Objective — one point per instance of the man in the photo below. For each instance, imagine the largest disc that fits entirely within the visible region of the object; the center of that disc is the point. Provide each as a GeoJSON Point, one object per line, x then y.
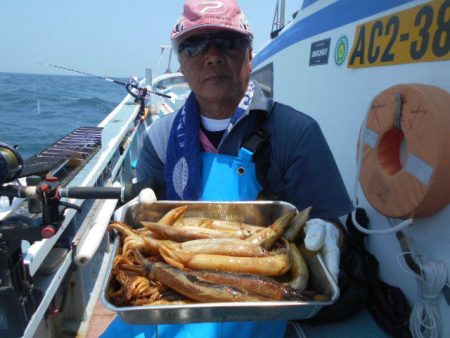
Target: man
{"type": "Point", "coordinates": [208, 149]}
{"type": "Point", "coordinates": [215, 55]}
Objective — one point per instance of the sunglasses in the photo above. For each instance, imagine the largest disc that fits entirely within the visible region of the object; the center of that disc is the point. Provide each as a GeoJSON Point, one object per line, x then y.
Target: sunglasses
{"type": "Point", "coordinates": [199, 45]}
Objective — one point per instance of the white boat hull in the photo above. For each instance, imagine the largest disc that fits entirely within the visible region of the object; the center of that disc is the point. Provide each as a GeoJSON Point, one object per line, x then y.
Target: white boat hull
{"type": "Point", "coordinates": [339, 97]}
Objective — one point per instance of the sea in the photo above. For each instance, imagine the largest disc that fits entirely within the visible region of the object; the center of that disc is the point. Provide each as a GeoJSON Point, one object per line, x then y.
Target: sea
{"type": "Point", "coordinates": [37, 110]}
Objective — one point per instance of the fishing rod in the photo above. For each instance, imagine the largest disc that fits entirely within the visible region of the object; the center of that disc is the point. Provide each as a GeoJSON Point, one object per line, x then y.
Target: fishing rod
{"type": "Point", "coordinates": [99, 77]}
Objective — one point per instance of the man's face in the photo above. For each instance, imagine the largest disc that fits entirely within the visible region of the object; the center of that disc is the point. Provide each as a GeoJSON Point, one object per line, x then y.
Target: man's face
{"type": "Point", "coordinates": [216, 73]}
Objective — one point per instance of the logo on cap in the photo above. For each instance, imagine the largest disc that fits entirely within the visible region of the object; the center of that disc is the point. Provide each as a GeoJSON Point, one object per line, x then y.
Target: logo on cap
{"type": "Point", "coordinates": [179, 25]}
{"type": "Point", "coordinates": [244, 23]}
{"type": "Point", "coordinates": [211, 7]}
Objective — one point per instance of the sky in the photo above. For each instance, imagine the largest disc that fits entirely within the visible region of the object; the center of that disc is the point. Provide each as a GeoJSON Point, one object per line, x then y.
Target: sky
{"type": "Point", "coordinates": [112, 38]}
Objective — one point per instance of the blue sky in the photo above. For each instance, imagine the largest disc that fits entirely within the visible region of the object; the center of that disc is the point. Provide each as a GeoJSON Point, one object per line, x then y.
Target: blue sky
{"type": "Point", "coordinates": [103, 37]}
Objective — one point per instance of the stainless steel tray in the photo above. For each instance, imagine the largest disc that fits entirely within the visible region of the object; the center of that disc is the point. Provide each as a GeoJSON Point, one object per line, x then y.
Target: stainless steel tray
{"type": "Point", "coordinates": [260, 213]}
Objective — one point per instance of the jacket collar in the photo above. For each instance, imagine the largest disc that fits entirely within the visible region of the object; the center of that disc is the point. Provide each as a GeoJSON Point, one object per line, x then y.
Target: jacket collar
{"type": "Point", "coordinates": [260, 100]}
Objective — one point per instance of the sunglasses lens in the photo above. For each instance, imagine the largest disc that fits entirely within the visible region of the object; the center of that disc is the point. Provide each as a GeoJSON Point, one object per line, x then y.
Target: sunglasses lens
{"type": "Point", "coordinates": [194, 48]}
{"type": "Point", "coordinates": [224, 43]}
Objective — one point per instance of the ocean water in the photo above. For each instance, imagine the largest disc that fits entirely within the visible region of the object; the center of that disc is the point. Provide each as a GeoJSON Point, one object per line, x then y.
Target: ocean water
{"type": "Point", "coordinates": [37, 110]}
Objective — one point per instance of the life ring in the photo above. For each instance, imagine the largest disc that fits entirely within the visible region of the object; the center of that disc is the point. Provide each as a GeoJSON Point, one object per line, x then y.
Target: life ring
{"type": "Point", "coordinates": [405, 168]}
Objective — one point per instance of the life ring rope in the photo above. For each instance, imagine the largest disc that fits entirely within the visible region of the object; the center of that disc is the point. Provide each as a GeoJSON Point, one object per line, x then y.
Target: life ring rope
{"type": "Point", "coordinates": [369, 137]}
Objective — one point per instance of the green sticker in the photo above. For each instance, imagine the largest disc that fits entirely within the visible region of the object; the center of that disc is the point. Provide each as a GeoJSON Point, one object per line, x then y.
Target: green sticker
{"type": "Point", "coordinates": [341, 50]}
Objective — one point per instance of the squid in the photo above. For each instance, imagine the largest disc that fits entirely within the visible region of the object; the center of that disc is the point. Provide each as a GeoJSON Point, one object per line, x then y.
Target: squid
{"type": "Point", "coordinates": [194, 288]}
{"type": "Point", "coordinates": [133, 286]}
{"type": "Point", "coordinates": [211, 223]}
{"type": "Point", "coordinates": [226, 246]}
{"type": "Point", "coordinates": [200, 259]}
{"type": "Point", "coordinates": [260, 285]}
{"type": "Point", "coordinates": [173, 215]}
{"type": "Point", "coordinates": [273, 265]}
{"type": "Point", "coordinates": [186, 233]}
{"type": "Point", "coordinates": [142, 242]}
{"type": "Point", "coordinates": [219, 246]}
{"type": "Point", "coordinates": [267, 237]}
{"type": "Point", "coordinates": [297, 224]}
{"type": "Point", "coordinates": [299, 269]}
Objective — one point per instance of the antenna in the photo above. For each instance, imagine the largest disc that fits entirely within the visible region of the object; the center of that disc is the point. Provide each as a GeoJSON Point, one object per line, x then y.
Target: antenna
{"type": "Point", "coordinates": [170, 60]}
{"type": "Point", "coordinates": [159, 61]}
{"type": "Point", "coordinates": [163, 47]}
{"type": "Point", "coordinates": [278, 18]}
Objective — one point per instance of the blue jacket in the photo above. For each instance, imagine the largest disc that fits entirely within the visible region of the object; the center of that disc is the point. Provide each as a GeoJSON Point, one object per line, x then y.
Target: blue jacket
{"type": "Point", "coordinates": [301, 169]}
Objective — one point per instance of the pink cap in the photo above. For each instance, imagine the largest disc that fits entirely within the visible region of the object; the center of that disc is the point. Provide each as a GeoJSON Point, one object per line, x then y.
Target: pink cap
{"type": "Point", "coordinates": [211, 14]}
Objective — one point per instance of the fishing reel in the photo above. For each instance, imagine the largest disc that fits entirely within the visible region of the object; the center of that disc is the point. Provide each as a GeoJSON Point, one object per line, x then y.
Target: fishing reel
{"type": "Point", "coordinates": [11, 163]}
{"type": "Point", "coordinates": [133, 81]}
{"type": "Point", "coordinates": [45, 196]}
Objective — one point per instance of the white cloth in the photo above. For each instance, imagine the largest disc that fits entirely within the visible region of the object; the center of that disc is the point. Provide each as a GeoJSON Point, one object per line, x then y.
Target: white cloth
{"type": "Point", "coordinates": [323, 236]}
{"type": "Point", "coordinates": [146, 196]}
{"type": "Point", "coordinates": [214, 124]}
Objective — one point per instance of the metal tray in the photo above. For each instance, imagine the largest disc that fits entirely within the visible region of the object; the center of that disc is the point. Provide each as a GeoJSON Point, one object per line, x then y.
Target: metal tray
{"type": "Point", "coordinates": [261, 213]}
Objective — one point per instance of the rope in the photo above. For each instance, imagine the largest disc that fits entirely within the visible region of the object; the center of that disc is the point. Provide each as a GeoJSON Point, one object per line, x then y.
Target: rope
{"type": "Point", "coordinates": [425, 321]}
{"type": "Point", "coordinates": [396, 228]}
{"type": "Point", "coordinates": [390, 230]}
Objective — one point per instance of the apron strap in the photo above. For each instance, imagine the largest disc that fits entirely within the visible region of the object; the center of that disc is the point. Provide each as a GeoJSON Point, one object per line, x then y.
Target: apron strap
{"type": "Point", "coordinates": [258, 145]}
{"type": "Point", "coordinates": [259, 135]}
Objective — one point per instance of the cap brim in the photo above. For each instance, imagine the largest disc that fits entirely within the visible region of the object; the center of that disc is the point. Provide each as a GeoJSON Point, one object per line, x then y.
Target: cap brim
{"type": "Point", "coordinates": [192, 30]}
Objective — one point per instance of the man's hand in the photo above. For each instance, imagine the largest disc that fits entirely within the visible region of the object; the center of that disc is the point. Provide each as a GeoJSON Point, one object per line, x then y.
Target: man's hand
{"type": "Point", "coordinates": [323, 236]}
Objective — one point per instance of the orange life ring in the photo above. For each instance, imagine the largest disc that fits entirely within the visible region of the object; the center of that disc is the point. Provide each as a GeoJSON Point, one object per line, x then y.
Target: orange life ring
{"type": "Point", "coordinates": [405, 170]}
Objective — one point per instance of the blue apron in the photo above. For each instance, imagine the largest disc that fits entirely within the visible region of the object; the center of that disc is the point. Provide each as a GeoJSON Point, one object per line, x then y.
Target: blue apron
{"type": "Point", "coordinates": [229, 178]}
{"type": "Point", "coordinates": [224, 178]}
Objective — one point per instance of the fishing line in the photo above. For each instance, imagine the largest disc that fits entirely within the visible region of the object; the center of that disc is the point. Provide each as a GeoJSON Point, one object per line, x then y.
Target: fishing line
{"type": "Point", "coordinates": [38, 107]}
{"type": "Point", "coordinates": [80, 72]}
{"type": "Point", "coordinates": [98, 77]}
{"type": "Point", "coordinates": [38, 102]}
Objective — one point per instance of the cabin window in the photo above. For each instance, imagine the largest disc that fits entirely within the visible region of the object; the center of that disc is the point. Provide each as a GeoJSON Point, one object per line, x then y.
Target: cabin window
{"type": "Point", "coordinates": [264, 77]}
